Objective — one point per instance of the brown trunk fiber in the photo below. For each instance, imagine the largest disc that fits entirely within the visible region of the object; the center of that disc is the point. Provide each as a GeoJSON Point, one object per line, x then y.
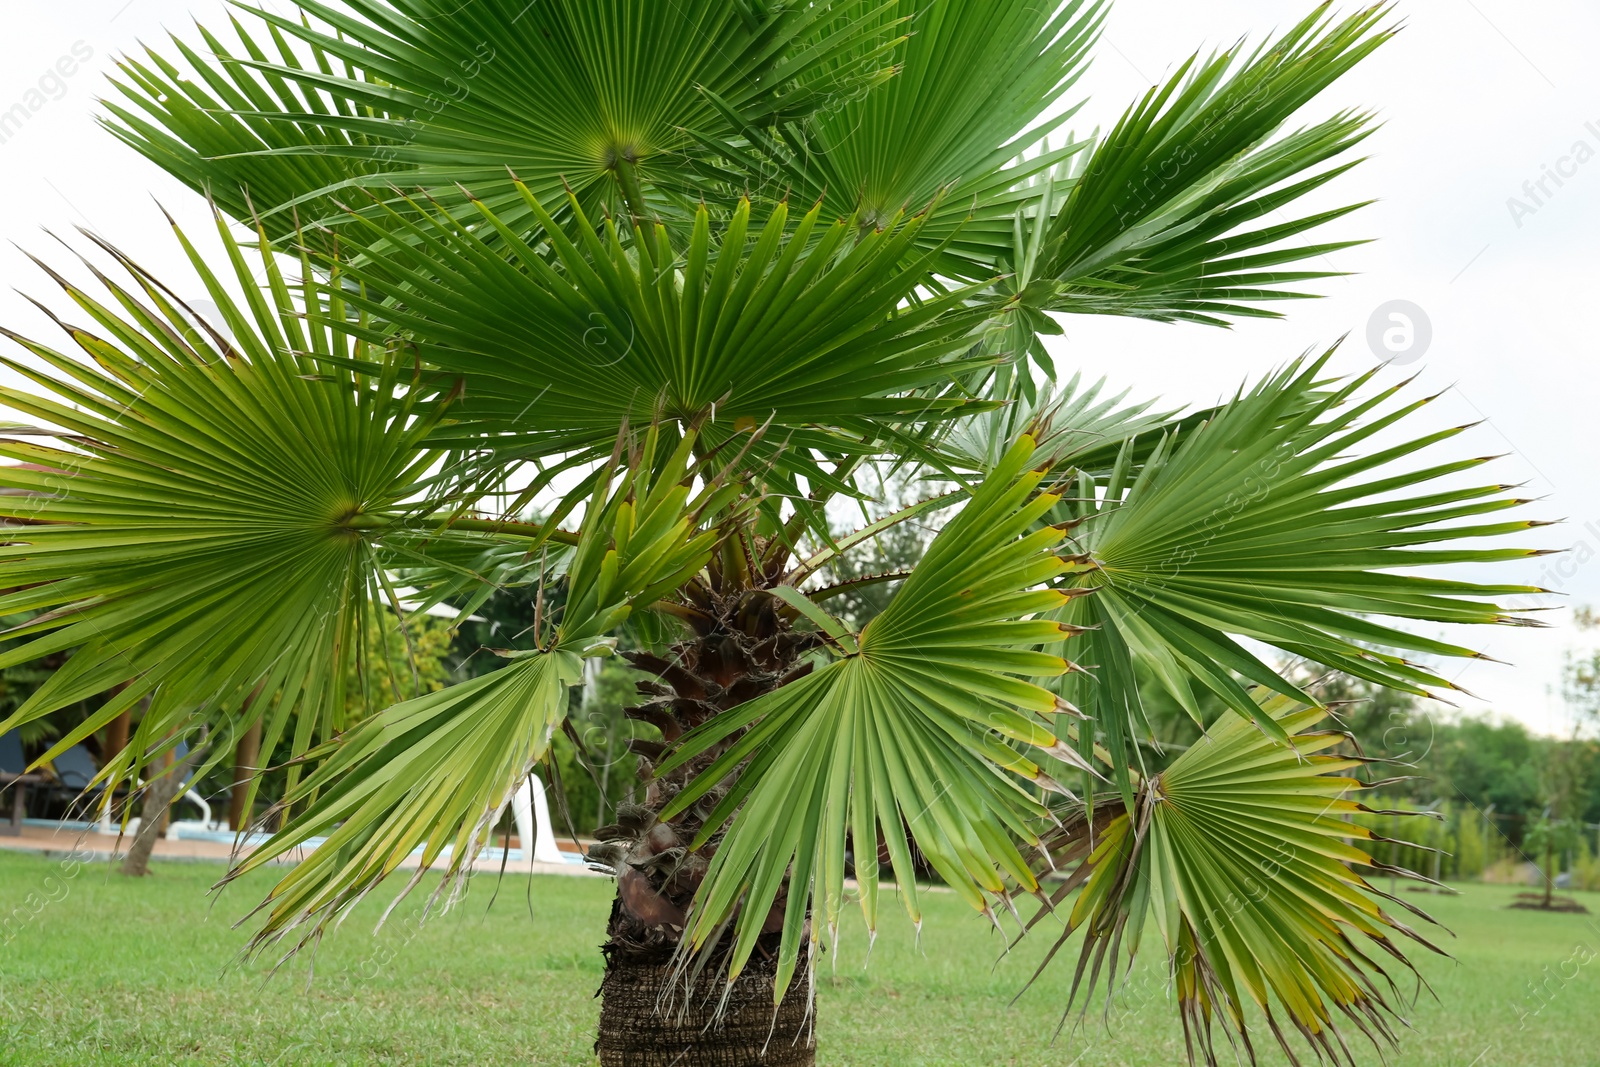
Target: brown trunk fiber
{"type": "Point", "coordinates": [742, 646]}
{"type": "Point", "coordinates": [635, 1032]}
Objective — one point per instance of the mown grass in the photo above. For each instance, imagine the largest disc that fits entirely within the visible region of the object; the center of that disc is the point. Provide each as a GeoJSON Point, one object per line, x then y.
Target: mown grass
{"type": "Point", "coordinates": [97, 969]}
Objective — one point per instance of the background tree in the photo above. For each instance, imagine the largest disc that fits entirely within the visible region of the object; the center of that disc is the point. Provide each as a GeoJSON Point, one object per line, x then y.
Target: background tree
{"type": "Point", "coordinates": [157, 795]}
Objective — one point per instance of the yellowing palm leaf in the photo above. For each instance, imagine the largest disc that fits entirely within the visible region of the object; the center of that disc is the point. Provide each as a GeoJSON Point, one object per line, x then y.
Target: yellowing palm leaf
{"type": "Point", "coordinates": [1241, 854]}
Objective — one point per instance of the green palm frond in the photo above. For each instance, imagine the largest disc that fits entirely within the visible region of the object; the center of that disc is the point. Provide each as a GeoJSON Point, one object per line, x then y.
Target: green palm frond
{"type": "Point", "coordinates": [1263, 523]}
{"type": "Point", "coordinates": [212, 131]}
{"type": "Point", "coordinates": [1158, 219]}
{"type": "Point", "coordinates": [204, 523]}
{"type": "Point", "coordinates": [911, 729]}
{"type": "Point", "coordinates": [435, 773]}
{"type": "Point", "coordinates": [432, 774]}
{"type": "Point", "coordinates": [924, 136]}
{"type": "Point", "coordinates": [1075, 425]}
{"type": "Point", "coordinates": [560, 342]}
{"type": "Point", "coordinates": [592, 96]}
{"type": "Point", "coordinates": [465, 572]}
{"type": "Point", "coordinates": [1241, 854]}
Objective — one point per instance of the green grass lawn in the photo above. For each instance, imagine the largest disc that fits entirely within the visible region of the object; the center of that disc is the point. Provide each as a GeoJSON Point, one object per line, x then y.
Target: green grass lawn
{"type": "Point", "coordinates": [96, 969]}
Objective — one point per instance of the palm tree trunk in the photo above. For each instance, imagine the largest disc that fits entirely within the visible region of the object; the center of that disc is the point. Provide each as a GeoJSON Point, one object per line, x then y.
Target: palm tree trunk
{"type": "Point", "coordinates": [742, 647]}
{"type": "Point", "coordinates": [158, 797]}
{"type": "Point", "coordinates": [116, 736]}
{"type": "Point", "coordinates": [638, 1030]}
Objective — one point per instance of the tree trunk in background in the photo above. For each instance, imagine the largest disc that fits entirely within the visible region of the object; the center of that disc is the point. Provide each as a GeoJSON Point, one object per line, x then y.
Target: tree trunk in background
{"type": "Point", "coordinates": [116, 739]}
{"type": "Point", "coordinates": [166, 809]}
{"type": "Point", "coordinates": [633, 1033]}
{"type": "Point", "coordinates": [116, 736]}
{"type": "Point", "coordinates": [245, 757]}
{"type": "Point", "coordinates": [158, 797]}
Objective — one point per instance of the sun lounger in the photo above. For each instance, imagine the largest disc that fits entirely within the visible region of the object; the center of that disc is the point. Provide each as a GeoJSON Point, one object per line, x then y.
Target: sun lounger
{"type": "Point", "coordinates": [14, 776]}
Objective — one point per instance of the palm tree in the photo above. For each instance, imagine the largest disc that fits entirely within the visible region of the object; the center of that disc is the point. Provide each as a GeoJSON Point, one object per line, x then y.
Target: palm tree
{"type": "Point", "coordinates": [682, 275]}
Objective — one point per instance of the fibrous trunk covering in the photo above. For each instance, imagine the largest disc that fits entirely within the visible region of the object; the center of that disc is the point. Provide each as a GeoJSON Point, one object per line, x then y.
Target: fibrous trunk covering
{"type": "Point", "coordinates": [742, 647]}
{"type": "Point", "coordinates": [639, 1029]}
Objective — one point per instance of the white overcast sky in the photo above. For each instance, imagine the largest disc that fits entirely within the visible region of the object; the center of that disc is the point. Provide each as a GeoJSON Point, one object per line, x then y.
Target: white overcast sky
{"type": "Point", "coordinates": [1478, 97]}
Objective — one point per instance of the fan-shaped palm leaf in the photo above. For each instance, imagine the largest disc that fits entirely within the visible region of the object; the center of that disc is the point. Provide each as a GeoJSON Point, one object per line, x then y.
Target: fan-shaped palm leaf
{"type": "Point", "coordinates": [1242, 854]}
{"type": "Point", "coordinates": [923, 136]}
{"type": "Point", "coordinates": [1155, 220]}
{"type": "Point", "coordinates": [211, 131]}
{"type": "Point", "coordinates": [206, 524]}
{"type": "Point", "coordinates": [596, 96]}
{"type": "Point", "coordinates": [912, 725]}
{"type": "Point", "coordinates": [1074, 425]}
{"type": "Point", "coordinates": [560, 342]}
{"type": "Point", "coordinates": [1261, 523]}
{"type": "Point", "coordinates": [435, 773]}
